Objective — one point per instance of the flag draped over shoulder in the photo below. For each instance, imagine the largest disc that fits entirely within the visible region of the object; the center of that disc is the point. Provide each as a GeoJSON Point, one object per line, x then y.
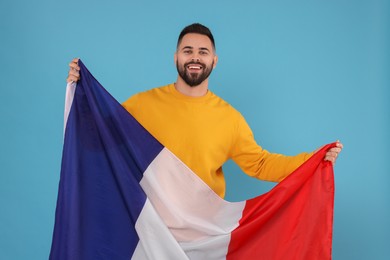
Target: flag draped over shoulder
{"type": "Point", "coordinates": [122, 195]}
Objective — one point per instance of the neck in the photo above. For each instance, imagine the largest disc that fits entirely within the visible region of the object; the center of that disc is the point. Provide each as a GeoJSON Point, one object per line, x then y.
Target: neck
{"type": "Point", "coordinates": [196, 91]}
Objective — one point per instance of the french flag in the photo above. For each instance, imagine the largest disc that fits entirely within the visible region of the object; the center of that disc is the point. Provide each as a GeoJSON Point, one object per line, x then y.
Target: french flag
{"type": "Point", "coordinates": [123, 195]}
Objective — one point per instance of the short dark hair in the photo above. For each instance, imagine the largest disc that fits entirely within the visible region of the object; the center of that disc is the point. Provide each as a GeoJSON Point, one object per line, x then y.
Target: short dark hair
{"type": "Point", "coordinates": [196, 28]}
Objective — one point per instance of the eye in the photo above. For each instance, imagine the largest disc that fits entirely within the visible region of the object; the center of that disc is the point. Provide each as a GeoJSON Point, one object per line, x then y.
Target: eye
{"type": "Point", "coordinates": [187, 51]}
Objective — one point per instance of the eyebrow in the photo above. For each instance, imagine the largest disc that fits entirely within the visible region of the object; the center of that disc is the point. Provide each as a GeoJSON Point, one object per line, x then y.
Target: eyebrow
{"type": "Point", "coordinates": [201, 48]}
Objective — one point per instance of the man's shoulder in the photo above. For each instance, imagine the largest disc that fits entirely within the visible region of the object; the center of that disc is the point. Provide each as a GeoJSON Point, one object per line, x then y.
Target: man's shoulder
{"type": "Point", "coordinates": [150, 93]}
{"type": "Point", "coordinates": [223, 103]}
{"type": "Point", "coordinates": [162, 90]}
{"type": "Point", "coordinates": [146, 96]}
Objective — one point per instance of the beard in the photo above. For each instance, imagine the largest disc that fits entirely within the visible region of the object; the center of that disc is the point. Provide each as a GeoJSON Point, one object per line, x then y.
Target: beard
{"type": "Point", "coordinates": [194, 79]}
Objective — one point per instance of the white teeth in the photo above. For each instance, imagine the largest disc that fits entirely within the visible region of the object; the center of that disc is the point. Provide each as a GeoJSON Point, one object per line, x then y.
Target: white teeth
{"type": "Point", "coordinates": [194, 67]}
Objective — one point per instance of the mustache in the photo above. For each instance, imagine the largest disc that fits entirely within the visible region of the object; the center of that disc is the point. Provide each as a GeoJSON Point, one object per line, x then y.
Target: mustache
{"type": "Point", "coordinates": [197, 62]}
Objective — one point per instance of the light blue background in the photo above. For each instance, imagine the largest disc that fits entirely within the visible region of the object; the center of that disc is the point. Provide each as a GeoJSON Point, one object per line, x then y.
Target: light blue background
{"type": "Point", "coordinates": [303, 73]}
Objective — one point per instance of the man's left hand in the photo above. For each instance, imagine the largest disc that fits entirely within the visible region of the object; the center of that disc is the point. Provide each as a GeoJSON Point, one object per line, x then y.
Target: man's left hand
{"type": "Point", "coordinates": [333, 153]}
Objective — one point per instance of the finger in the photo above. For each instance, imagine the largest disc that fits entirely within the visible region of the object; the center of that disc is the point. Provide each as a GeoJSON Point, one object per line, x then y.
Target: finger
{"type": "Point", "coordinates": [72, 78]}
{"type": "Point", "coordinates": [335, 150]}
{"type": "Point", "coordinates": [339, 144]}
{"type": "Point", "coordinates": [331, 155]}
{"type": "Point", "coordinates": [73, 75]}
{"type": "Point", "coordinates": [74, 66]}
{"type": "Point", "coordinates": [330, 158]}
{"type": "Point", "coordinates": [335, 153]}
{"type": "Point", "coordinates": [74, 72]}
{"type": "Point", "coordinates": [74, 61]}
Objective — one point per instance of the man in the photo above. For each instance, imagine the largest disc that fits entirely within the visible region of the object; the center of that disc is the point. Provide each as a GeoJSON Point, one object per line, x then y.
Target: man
{"type": "Point", "coordinates": [199, 127]}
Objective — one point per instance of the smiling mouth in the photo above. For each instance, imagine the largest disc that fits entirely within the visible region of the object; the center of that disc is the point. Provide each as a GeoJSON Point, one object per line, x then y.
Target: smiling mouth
{"type": "Point", "coordinates": [194, 67]}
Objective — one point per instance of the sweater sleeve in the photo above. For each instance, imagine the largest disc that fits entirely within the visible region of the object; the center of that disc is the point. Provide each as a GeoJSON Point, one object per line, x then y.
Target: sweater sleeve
{"type": "Point", "coordinates": [259, 163]}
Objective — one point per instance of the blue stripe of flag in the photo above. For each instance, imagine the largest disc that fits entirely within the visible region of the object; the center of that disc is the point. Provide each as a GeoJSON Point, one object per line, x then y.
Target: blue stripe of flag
{"type": "Point", "coordinates": [105, 154]}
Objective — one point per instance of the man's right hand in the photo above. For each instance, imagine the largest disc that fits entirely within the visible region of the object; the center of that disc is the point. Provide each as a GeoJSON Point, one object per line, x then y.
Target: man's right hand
{"type": "Point", "coordinates": [74, 69]}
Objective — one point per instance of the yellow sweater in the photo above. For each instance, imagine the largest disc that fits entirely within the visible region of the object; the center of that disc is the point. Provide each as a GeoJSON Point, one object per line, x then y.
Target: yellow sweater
{"type": "Point", "coordinates": [204, 132]}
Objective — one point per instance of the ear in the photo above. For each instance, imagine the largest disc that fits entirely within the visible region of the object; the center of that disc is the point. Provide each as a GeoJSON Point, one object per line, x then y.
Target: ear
{"type": "Point", "coordinates": [215, 61]}
{"type": "Point", "coordinates": [175, 58]}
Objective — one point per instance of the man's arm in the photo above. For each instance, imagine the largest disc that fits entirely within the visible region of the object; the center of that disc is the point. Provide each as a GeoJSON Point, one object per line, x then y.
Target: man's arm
{"type": "Point", "coordinates": [259, 163]}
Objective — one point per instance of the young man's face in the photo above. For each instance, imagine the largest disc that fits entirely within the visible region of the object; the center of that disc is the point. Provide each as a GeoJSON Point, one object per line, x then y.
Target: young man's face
{"type": "Point", "coordinates": [195, 58]}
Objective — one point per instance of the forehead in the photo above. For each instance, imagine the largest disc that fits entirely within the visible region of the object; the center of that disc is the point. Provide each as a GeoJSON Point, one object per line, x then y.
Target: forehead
{"type": "Point", "coordinates": [196, 40]}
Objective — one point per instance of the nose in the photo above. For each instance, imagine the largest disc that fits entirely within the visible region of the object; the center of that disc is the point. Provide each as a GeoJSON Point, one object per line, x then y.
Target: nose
{"type": "Point", "coordinates": [195, 59]}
